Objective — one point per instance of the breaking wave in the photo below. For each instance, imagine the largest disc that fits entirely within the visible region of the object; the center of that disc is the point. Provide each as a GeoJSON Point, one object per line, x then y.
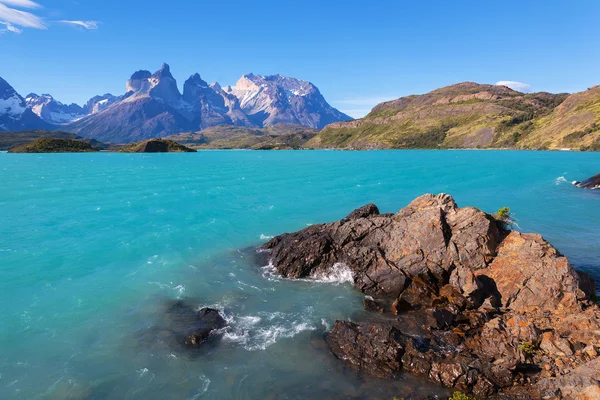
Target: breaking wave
{"type": "Point", "coordinates": [257, 332]}
{"type": "Point", "coordinates": [560, 180]}
{"type": "Point", "coordinates": [339, 273]}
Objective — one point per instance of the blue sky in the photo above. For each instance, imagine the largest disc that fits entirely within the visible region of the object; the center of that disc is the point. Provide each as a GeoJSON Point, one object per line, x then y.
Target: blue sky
{"type": "Point", "coordinates": [357, 52]}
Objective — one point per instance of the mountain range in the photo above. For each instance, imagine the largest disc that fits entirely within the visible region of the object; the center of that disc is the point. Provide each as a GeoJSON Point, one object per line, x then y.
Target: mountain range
{"type": "Point", "coordinates": [280, 112]}
{"type": "Point", "coordinates": [153, 106]}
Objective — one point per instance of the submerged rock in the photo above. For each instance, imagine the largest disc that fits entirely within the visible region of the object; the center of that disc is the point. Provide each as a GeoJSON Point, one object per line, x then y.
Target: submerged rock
{"type": "Point", "coordinates": [190, 327]}
{"type": "Point", "coordinates": [497, 310]}
{"type": "Point", "coordinates": [590, 183]}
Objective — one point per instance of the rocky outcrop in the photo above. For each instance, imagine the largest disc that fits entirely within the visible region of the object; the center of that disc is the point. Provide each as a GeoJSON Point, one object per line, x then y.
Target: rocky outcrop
{"type": "Point", "coordinates": [157, 146]}
{"type": "Point", "coordinates": [189, 327]}
{"type": "Point", "coordinates": [590, 183]}
{"type": "Point", "coordinates": [457, 299]}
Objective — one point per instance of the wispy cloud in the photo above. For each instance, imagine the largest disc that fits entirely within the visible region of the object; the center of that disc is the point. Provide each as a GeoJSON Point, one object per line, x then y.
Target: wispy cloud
{"type": "Point", "coordinates": [518, 86]}
{"type": "Point", "coordinates": [21, 3]}
{"type": "Point", "coordinates": [12, 17]}
{"type": "Point", "coordinates": [9, 28]}
{"type": "Point", "coordinates": [14, 20]}
{"type": "Point", "coordinates": [85, 24]}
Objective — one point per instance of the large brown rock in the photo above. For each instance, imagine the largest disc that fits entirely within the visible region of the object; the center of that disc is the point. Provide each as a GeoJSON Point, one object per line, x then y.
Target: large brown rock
{"type": "Point", "coordinates": [528, 273]}
{"type": "Point", "coordinates": [427, 240]}
{"type": "Point", "coordinates": [465, 303]}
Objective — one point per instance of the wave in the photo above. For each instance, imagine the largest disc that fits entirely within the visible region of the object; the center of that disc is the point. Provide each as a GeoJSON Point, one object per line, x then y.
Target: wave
{"type": "Point", "coordinates": [266, 237]}
{"type": "Point", "coordinates": [339, 273]}
{"type": "Point", "coordinates": [204, 383]}
{"type": "Point", "coordinates": [257, 332]}
{"type": "Point", "coordinates": [560, 180]}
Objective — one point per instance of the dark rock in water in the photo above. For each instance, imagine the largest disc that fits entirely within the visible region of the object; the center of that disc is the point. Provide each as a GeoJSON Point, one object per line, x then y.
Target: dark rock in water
{"type": "Point", "coordinates": [591, 183]}
{"type": "Point", "coordinates": [190, 327]}
{"type": "Point", "coordinates": [478, 309]}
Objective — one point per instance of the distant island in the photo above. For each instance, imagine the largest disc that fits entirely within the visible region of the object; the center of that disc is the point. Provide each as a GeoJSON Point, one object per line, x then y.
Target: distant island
{"type": "Point", "coordinates": [156, 146]}
{"type": "Point", "coordinates": [51, 145]}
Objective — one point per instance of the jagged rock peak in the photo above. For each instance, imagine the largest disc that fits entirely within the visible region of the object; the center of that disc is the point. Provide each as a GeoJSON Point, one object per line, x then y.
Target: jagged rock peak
{"type": "Point", "coordinates": [141, 74]}
{"type": "Point", "coordinates": [164, 72]}
{"type": "Point", "coordinates": [197, 80]}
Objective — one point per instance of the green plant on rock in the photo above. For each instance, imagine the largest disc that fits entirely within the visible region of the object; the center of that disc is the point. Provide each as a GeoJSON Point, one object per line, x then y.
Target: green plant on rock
{"type": "Point", "coordinates": [528, 349]}
{"type": "Point", "coordinates": [460, 396]}
{"type": "Point", "coordinates": [504, 218]}
{"type": "Point", "coordinates": [503, 213]}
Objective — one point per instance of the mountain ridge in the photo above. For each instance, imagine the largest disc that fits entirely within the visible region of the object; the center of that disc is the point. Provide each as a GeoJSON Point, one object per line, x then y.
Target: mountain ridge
{"type": "Point", "coordinates": [464, 115]}
{"type": "Point", "coordinates": [153, 106]}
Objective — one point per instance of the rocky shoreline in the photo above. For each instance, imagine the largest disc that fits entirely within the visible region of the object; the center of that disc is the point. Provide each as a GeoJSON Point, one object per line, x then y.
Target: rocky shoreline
{"type": "Point", "coordinates": [457, 297]}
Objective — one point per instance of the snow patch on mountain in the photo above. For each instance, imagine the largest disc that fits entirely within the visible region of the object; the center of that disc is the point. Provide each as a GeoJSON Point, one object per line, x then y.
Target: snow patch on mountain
{"type": "Point", "coordinates": [13, 106]}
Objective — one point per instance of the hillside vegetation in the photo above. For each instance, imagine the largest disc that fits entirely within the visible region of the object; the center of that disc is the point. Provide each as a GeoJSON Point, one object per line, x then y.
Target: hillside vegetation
{"type": "Point", "coordinates": [51, 145]}
{"type": "Point", "coordinates": [156, 146]}
{"type": "Point", "coordinates": [275, 137]}
{"type": "Point", "coordinates": [471, 115]}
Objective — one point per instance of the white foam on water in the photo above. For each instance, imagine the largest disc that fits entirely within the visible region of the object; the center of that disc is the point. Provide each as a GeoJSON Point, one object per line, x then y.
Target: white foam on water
{"type": "Point", "coordinates": [257, 332]}
{"type": "Point", "coordinates": [270, 272]}
{"type": "Point", "coordinates": [339, 273]}
{"type": "Point", "coordinates": [560, 180]}
{"type": "Point", "coordinates": [265, 237]}
{"type": "Point", "coordinates": [205, 383]}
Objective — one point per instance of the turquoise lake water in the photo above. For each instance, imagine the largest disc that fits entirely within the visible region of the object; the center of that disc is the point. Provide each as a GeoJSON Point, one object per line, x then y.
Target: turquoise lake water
{"type": "Point", "coordinates": [92, 247]}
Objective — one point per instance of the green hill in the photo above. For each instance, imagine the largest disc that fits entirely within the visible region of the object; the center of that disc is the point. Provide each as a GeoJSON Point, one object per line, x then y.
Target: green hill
{"type": "Point", "coordinates": [51, 145]}
{"type": "Point", "coordinates": [279, 136]}
{"type": "Point", "coordinates": [471, 115]}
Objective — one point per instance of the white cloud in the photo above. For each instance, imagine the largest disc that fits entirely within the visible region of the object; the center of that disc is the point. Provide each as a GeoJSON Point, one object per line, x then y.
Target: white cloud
{"type": "Point", "coordinates": [85, 24]}
{"type": "Point", "coordinates": [518, 86]}
{"type": "Point", "coordinates": [9, 28]}
{"type": "Point", "coordinates": [10, 16]}
{"type": "Point", "coordinates": [21, 3]}
{"type": "Point", "coordinates": [14, 19]}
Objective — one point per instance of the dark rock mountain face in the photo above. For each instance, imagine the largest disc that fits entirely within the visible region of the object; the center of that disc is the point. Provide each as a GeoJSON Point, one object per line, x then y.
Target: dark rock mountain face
{"type": "Point", "coordinates": [14, 113]}
{"type": "Point", "coordinates": [210, 105]}
{"type": "Point", "coordinates": [99, 103]}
